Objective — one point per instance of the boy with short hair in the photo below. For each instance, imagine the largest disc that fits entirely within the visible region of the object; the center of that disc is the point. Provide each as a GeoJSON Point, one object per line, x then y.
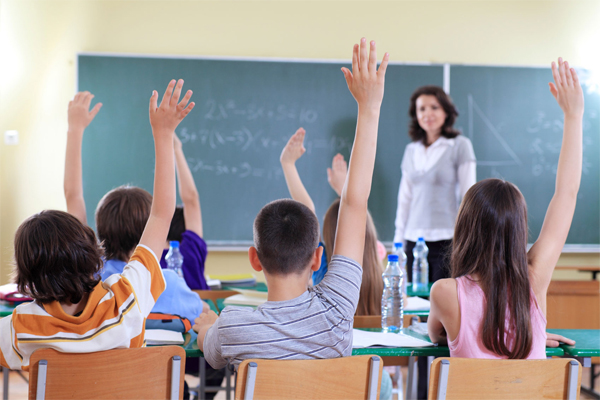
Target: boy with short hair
{"type": "Point", "coordinates": [121, 216]}
{"type": "Point", "coordinates": [298, 322]}
{"type": "Point", "coordinates": [58, 257]}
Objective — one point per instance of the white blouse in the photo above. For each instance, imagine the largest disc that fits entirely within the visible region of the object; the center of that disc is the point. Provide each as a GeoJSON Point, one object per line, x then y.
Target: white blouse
{"type": "Point", "coordinates": [425, 202]}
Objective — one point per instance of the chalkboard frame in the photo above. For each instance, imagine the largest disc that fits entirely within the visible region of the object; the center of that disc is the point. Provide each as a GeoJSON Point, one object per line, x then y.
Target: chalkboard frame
{"type": "Point", "coordinates": [447, 85]}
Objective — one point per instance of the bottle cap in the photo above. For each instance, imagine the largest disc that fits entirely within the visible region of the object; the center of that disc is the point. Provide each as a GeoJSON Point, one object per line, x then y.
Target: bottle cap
{"type": "Point", "coordinates": [174, 244]}
{"type": "Point", "coordinates": [397, 245]}
{"type": "Point", "coordinates": [421, 239]}
{"type": "Point", "coordinates": [393, 258]}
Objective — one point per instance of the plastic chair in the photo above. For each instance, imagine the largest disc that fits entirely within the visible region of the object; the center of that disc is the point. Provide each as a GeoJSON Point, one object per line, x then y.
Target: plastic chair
{"type": "Point", "coordinates": [469, 378]}
{"type": "Point", "coordinates": [140, 373]}
{"type": "Point", "coordinates": [356, 377]}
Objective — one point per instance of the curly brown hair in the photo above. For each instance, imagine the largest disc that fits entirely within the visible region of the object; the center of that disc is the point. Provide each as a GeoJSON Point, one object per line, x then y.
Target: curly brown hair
{"type": "Point", "coordinates": [415, 131]}
{"type": "Point", "coordinates": [57, 258]}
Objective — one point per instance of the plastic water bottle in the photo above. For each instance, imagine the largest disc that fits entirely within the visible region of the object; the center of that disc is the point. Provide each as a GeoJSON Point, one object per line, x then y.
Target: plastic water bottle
{"type": "Point", "coordinates": [399, 251]}
{"type": "Point", "coordinates": [174, 258]}
{"type": "Point", "coordinates": [420, 269]}
{"type": "Point", "coordinates": [392, 303]}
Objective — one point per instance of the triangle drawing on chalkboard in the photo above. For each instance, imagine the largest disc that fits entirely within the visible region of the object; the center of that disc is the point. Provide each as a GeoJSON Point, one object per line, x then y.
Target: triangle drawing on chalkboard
{"type": "Point", "coordinates": [510, 156]}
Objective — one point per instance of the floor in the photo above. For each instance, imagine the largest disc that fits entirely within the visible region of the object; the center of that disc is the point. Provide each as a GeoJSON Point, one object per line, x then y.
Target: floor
{"type": "Point", "coordinates": [18, 387]}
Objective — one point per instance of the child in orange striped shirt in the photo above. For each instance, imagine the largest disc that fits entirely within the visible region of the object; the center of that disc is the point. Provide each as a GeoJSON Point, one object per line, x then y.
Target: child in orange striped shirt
{"type": "Point", "coordinates": [57, 260]}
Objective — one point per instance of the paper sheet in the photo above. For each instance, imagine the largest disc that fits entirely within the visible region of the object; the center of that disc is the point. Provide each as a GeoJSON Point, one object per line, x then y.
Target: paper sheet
{"type": "Point", "coordinates": [163, 336]}
{"type": "Point", "coordinates": [362, 338]}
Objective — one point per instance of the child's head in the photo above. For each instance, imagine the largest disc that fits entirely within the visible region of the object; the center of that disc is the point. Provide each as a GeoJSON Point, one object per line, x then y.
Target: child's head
{"type": "Point", "coordinates": [121, 217]}
{"type": "Point", "coordinates": [286, 236]}
{"type": "Point", "coordinates": [177, 225]}
{"type": "Point", "coordinates": [371, 289]}
{"type": "Point", "coordinates": [57, 258]}
{"type": "Point", "coordinates": [490, 243]}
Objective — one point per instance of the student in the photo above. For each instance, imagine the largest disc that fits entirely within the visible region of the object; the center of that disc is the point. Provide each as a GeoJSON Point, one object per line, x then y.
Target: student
{"type": "Point", "coordinates": [369, 302]}
{"type": "Point", "coordinates": [186, 226]}
{"type": "Point", "coordinates": [371, 288]}
{"type": "Point", "coordinates": [494, 306]}
{"type": "Point", "coordinates": [121, 216]}
{"type": "Point", "coordinates": [58, 257]}
{"type": "Point", "coordinates": [298, 322]}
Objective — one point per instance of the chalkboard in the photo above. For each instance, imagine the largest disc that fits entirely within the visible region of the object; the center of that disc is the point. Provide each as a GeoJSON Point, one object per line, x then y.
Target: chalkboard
{"type": "Point", "coordinates": [516, 128]}
{"type": "Point", "coordinates": [245, 113]}
{"type": "Point", "coordinates": [247, 109]}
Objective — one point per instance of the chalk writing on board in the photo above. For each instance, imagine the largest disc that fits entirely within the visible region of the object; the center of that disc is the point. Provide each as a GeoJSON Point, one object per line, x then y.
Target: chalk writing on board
{"type": "Point", "coordinates": [216, 111]}
{"type": "Point", "coordinates": [475, 110]}
{"type": "Point", "coordinates": [240, 170]}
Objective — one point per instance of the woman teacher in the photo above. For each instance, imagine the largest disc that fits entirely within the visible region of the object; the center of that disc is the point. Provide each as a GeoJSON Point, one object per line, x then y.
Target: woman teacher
{"type": "Point", "coordinates": [438, 168]}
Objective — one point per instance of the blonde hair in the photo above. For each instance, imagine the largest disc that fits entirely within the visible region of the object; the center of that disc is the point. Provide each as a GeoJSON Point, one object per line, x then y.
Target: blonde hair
{"type": "Point", "coordinates": [371, 289]}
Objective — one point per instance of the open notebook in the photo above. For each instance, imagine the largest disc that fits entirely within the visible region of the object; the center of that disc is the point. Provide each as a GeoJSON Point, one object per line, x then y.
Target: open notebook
{"type": "Point", "coordinates": [246, 298]}
{"type": "Point", "coordinates": [362, 338]}
{"type": "Point", "coordinates": [155, 337]}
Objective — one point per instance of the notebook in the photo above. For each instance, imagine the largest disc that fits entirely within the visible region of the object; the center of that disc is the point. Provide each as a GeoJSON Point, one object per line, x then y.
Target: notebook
{"type": "Point", "coordinates": [155, 337]}
{"type": "Point", "coordinates": [362, 339]}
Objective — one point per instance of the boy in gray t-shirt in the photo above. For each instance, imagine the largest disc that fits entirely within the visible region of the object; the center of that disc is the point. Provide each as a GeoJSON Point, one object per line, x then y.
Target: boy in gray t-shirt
{"type": "Point", "coordinates": [297, 322]}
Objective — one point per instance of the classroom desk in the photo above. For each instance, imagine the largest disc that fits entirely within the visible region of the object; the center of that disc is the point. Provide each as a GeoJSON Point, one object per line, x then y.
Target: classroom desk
{"type": "Point", "coordinates": [6, 310]}
{"type": "Point", "coordinates": [410, 292]}
{"type": "Point", "coordinates": [594, 269]}
{"type": "Point", "coordinates": [587, 343]}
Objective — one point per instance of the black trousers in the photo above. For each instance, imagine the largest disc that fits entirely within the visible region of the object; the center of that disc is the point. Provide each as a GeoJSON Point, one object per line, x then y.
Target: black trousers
{"type": "Point", "coordinates": [439, 268]}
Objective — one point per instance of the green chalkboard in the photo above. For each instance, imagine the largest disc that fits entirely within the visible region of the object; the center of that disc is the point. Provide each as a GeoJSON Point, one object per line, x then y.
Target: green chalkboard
{"type": "Point", "coordinates": [245, 112]}
{"type": "Point", "coordinates": [516, 128]}
{"type": "Point", "coordinates": [247, 109]}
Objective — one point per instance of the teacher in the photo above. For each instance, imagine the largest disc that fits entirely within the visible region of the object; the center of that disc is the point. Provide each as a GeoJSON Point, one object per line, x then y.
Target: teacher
{"type": "Point", "coordinates": [438, 168]}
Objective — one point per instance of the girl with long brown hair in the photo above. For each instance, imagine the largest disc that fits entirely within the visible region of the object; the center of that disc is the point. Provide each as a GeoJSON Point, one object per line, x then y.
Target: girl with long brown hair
{"type": "Point", "coordinates": [494, 306]}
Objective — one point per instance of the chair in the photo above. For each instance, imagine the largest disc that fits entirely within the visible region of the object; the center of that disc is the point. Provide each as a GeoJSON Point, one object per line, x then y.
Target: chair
{"type": "Point", "coordinates": [140, 373]}
{"type": "Point", "coordinates": [356, 377]}
{"type": "Point", "coordinates": [468, 378]}
{"type": "Point", "coordinates": [215, 295]}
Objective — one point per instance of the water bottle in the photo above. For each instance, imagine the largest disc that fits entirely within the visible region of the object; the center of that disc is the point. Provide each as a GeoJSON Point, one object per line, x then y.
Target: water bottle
{"type": "Point", "coordinates": [420, 269]}
{"type": "Point", "coordinates": [399, 251]}
{"type": "Point", "coordinates": [392, 303]}
{"type": "Point", "coordinates": [174, 258]}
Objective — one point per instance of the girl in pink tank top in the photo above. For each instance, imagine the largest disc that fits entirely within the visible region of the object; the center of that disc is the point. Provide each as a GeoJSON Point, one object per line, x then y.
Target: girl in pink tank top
{"type": "Point", "coordinates": [494, 305]}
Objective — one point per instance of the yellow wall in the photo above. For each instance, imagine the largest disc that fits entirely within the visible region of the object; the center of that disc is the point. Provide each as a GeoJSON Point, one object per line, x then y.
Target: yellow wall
{"type": "Point", "coordinates": [39, 40]}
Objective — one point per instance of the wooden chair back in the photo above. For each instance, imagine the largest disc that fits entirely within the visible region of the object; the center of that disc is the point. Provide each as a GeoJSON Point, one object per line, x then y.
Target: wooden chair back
{"type": "Point", "coordinates": [140, 373]}
{"type": "Point", "coordinates": [468, 378]}
{"type": "Point", "coordinates": [214, 295]}
{"type": "Point", "coordinates": [356, 377]}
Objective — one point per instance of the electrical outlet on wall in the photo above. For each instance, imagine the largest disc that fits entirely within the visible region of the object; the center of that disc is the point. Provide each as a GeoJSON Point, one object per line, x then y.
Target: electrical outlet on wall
{"type": "Point", "coordinates": [11, 138]}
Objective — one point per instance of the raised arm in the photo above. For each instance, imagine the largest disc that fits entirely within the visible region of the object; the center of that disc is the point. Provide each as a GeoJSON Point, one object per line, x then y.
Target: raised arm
{"type": "Point", "coordinates": [192, 213]}
{"type": "Point", "coordinates": [292, 151]}
{"type": "Point", "coordinates": [336, 175]}
{"type": "Point", "coordinates": [366, 85]}
{"type": "Point", "coordinates": [164, 119]}
{"type": "Point", "coordinates": [543, 255]}
{"type": "Point", "coordinates": [79, 117]}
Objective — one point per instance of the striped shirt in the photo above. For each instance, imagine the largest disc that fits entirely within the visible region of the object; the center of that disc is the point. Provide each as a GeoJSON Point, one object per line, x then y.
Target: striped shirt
{"type": "Point", "coordinates": [317, 324]}
{"type": "Point", "coordinates": [113, 317]}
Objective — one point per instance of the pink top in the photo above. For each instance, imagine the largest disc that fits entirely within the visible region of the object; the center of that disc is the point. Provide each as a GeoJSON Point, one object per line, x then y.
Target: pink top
{"type": "Point", "coordinates": [468, 343]}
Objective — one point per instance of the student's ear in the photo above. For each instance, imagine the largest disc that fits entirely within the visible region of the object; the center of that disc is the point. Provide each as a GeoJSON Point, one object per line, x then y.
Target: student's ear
{"type": "Point", "coordinates": [316, 263]}
{"type": "Point", "coordinates": [254, 261]}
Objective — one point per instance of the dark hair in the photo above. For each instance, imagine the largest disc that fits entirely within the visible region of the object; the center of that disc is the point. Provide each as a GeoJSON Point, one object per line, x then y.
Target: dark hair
{"type": "Point", "coordinates": [121, 217]}
{"type": "Point", "coordinates": [286, 235]}
{"type": "Point", "coordinates": [371, 289]}
{"type": "Point", "coordinates": [490, 242]}
{"type": "Point", "coordinates": [57, 258]}
{"type": "Point", "coordinates": [415, 131]}
{"type": "Point", "coordinates": [177, 225]}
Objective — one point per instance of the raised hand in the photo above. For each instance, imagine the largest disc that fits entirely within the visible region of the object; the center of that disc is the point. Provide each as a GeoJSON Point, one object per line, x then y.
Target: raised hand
{"type": "Point", "coordinates": [294, 148]}
{"type": "Point", "coordinates": [336, 175]}
{"type": "Point", "coordinates": [79, 114]}
{"type": "Point", "coordinates": [365, 81]}
{"type": "Point", "coordinates": [165, 117]}
{"type": "Point", "coordinates": [566, 89]}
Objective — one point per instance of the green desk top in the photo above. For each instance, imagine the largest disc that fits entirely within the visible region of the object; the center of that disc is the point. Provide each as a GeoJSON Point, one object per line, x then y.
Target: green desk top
{"type": "Point", "coordinates": [587, 342]}
{"type": "Point", "coordinates": [262, 287]}
{"type": "Point", "coordinates": [6, 310]}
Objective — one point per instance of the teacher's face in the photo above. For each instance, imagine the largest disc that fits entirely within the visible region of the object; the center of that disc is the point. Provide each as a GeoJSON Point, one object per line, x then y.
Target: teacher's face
{"type": "Point", "coordinates": [430, 114]}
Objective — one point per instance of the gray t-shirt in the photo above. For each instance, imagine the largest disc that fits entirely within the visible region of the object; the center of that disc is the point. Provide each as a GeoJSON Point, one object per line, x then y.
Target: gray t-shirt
{"type": "Point", "coordinates": [317, 324]}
